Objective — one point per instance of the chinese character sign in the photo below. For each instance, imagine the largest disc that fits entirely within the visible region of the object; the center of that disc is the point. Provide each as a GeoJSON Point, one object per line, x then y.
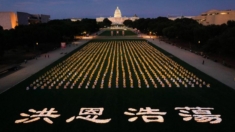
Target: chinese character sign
{"type": "Point", "coordinates": [45, 114]}
{"type": "Point", "coordinates": [201, 115]}
{"type": "Point", "coordinates": [90, 114]}
{"type": "Point", "coordinates": [148, 115]}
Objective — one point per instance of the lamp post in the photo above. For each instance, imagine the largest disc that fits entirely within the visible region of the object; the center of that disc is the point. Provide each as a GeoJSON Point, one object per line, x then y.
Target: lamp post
{"type": "Point", "coordinates": [199, 43]}
{"type": "Point", "coordinates": [35, 46]}
{"type": "Point", "coordinates": [150, 33]}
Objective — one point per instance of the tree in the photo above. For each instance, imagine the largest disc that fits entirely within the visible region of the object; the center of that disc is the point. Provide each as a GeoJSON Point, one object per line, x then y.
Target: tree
{"type": "Point", "coordinates": [142, 24]}
{"type": "Point", "coordinates": [2, 47]}
{"type": "Point", "coordinates": [170, 32]}
{"type": "Point", "coordinates": [160, 24]}
{"type": "Point", "coordinates": [128, 23]}
{"type": "Point", "coordinates": [227, 43]}
{"type": "Point", "coordinates": [231, 23]}
{"type": "Point", "coordinates": [1, 28]}
{"type": "Point", "coordinates": [107, 22]}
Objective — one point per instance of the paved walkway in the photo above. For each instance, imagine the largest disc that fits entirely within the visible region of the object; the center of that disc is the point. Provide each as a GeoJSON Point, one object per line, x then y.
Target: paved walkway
{"type": "Point", "coordinates": [216, 70]}
{"type": "Point", "coordinates": [33, 66]}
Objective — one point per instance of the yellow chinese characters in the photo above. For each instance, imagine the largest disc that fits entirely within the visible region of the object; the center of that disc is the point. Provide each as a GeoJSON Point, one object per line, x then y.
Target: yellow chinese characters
{"type": "Point", "coordinates": [201, 115]}
{"type": "Point", "coordinates": [148, 115]}
{"type": "Point", "coordinates": [90, 114]}
{"type": "Point", "coordinates": [45, 114]}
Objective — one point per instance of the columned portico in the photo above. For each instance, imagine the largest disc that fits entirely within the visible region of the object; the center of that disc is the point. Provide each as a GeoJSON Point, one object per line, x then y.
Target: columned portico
{"type": "Point", "coordinates": [117, 20]}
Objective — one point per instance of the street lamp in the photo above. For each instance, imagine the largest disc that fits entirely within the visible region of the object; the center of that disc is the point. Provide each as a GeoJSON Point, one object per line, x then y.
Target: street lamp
{"type": "Point", "coordinates": [199, 43]}
{"type": "Point", "coordinates": [84, 33]}
{"type": "Point", "coordinates": [150, 33]}
{"type": "Point", "coordinates": [35, 45]}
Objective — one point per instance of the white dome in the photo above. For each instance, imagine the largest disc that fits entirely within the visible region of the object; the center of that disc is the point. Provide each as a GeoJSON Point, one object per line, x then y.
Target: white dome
{"type": "Point", "coordinates": [117, 13]}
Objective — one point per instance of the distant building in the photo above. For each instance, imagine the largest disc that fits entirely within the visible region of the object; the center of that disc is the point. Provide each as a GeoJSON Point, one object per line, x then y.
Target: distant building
{"type": "Point", "coordinates": [76, 19]}
{"type": "Point", "coordinates": [23, 18]}
{"type": "Point", "coordinates": [44, 18]}
{"type": "Point", "coordinates": [117, 19]}
{"type": "Point", "coordinates": [216, 17]}
{"type": "Point", "coordinates": [100, 19]}
{"type": "Point", "coordinates": [26, 18]}
{"type": "Point", "coordinates": [179, 17]}
{"type": "Point", "coordinates": [8, 20]}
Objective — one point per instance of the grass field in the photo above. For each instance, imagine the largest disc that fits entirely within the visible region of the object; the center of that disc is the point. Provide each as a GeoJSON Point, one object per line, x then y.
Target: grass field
{"type": "Point", "coordinates": [118, 77]}
{"type": "Point", "coordinates": [118, 32]}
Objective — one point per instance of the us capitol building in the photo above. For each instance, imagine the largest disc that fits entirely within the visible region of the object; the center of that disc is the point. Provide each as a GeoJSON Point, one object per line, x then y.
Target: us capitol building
{"type": "Point", "coordinates": [117, 19]}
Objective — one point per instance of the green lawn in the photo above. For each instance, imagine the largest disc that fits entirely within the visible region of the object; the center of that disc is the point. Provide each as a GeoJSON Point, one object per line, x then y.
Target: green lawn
{"type": "Point", "coordinates": [120, 33]}
{"type": "Point", "coordinates": [110, 61]}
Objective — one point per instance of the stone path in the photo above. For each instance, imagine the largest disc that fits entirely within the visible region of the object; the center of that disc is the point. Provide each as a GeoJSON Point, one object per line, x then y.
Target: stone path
{"type": "Point", "coordinates": [33, 66]}
{"type": "Point", "coordinates": [216, 70]}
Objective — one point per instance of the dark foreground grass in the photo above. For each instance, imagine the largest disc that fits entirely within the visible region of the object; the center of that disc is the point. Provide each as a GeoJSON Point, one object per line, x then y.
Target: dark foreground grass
{"type": "Point", "coordinates": [127, 33]}
{"type": "Point", "coordinates": [115, 102]}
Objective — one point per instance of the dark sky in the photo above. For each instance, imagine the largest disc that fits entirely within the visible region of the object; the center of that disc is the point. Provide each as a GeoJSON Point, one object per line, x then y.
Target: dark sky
{"type": "Point", "coordinates": [61, 9]}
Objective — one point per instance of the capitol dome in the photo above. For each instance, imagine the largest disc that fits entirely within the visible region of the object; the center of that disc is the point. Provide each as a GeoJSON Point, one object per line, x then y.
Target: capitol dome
{"type": "Point", "coordinates": [117, 13]}
{"type": "Point", "coordinates": [117, 19]}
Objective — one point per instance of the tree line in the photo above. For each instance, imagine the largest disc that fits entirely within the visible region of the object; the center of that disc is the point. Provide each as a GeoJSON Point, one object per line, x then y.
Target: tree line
{"type": "Point", "coordinates": [45, 35]}
{"type": "Point", "coordinates": [217, 39]}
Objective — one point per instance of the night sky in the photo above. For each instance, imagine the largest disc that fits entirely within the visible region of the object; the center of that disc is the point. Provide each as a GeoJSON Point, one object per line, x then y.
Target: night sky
{"type": "Point", "coordinates": [62, 9]}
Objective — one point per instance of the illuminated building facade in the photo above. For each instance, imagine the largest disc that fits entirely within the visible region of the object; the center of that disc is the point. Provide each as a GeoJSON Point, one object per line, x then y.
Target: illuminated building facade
{"type": "Point", "coordinates": [216, 17]}
{"type": "Point", "coordinates": [178, 17]}
{"type": "Point", "coordinates": [76, 19]}
{"type": "Point", "coordinates": [117, 19]}
{"type": "Point", "coordinates": [8, 20]}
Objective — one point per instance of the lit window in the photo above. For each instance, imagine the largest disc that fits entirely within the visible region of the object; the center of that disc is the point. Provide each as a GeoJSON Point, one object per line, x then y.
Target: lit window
{"type": "Point", "coordinates": [223, 13]}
